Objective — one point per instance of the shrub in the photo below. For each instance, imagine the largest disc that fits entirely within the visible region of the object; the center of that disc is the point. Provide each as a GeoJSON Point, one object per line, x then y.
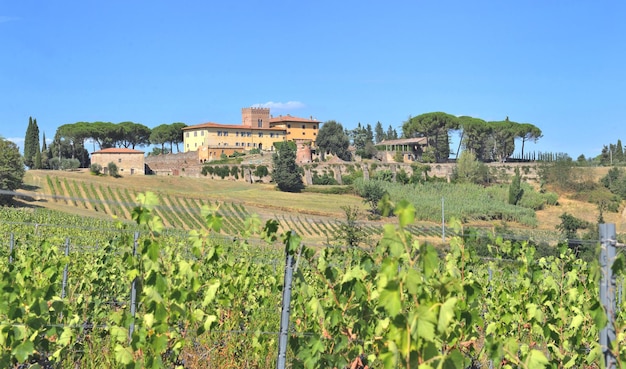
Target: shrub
{"type": "Point", "coordinates": [325, 179]}
{"type": "Point", "coordinates": [349, 178]}
{"type": "Point", "coordinates": [207, 169]}
{"type": "Point", "coordinates": [261, 171]}
{"type": "Point", "coordinates": [113, 170]}
{"type": "Point", "coordinates": [372, 192]}
{"type": "Point", "coordinates": [383, 175]}
{"type": "Point", "coordinates": [96, 169]}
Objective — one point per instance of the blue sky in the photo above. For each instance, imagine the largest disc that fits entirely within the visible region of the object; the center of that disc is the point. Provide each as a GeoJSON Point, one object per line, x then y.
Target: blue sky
{"type": "Point", "coordinates": [560, 65]}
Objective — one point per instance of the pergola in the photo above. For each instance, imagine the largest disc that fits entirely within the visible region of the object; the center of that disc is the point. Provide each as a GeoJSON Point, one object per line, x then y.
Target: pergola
{"type": "Point", "coordinates": [403, 144]}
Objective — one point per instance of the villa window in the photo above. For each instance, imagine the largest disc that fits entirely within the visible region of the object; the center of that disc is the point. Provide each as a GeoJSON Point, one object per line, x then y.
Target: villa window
{"type": "Point", "coordinates": [225, 133]}
{"type": "Point", "coordinates": [260, 134]}
{"type": "Point", "coordinates": [219, 133]}
{"type": "Point", "coordinates": [303, 126]}
{"type": "Point", "coordinates": [187, 134]}
{"type": "Point", "coordinates": [195, 134]}
{"type": "Point", "coordinates": [288, 125]}
{"type": "Point", "coordinates": [260, 123]}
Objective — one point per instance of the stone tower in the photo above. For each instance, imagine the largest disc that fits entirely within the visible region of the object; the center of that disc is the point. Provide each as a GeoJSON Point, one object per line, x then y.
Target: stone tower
{"type": "Point", "coordinates": [255, 117]}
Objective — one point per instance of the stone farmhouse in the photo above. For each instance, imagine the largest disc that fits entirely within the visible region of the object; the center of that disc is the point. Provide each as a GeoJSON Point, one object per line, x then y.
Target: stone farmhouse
{"type": "Point", "coordinates": [128, 161]}
{"type": "Point", "coordinates": [258, 130]}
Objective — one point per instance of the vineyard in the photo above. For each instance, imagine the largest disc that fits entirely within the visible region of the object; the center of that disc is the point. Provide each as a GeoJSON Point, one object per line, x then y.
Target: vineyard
{"type": "Point", "coordinates": [182, 211]}
{"type": "Point", "coordinates": [80, 292]}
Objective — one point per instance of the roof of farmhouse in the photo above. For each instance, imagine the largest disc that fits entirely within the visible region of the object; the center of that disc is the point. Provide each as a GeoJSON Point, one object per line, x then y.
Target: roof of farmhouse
{"type": "Point", "coordinates": [404, 141]}
{"type": "Point", "coordinates": [289, 118]}
{"type": "Point", "coordinates": [117, 150]}
{"type": "Point", "coordinates": [229, 126]}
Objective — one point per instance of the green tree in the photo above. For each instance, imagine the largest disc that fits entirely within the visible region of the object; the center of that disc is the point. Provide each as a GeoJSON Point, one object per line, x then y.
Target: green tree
{"type": "Point", "coordinates": [379, 132]}
{"type": "Point", "coordinates": [527, 132]}
{"type": "Point", "coordinates": [391, 134]}
{"type": "Point", "coordinates": [362, 139]}
{"type": "Point", "coordinates": [350, 232]}
{"type": "Point", "coordinates": [113, 170]}
{"type": "Point", "coordinates": [161, 135]}
{"type": "Point", "coordinates": [134, 134]}
{"type": "Point", "coordinates": [176, 135]}
{"type": "Point", "coordinates": [286, 173]}
{"type": "Point", "coordinates": [436, 128]}
{"type": "Point", "coordinates": [372, 192]}
{"type": "Point", "coordinates": [515, 188]}
{"type": "Point", "coordinates": [618, 153]}
{"type": "Point", "coordinates": [31, 143]}
{"type": "Point", "coordinates": [332, 139]}
{"type": "Point", "coordinates": [11, 169]}
{"type": "Point", "coordinates": [470, 170]}
{"type": "Point", "coordinates": [475, 137]}
{"type": "Point", "coordinates": [503, 139]}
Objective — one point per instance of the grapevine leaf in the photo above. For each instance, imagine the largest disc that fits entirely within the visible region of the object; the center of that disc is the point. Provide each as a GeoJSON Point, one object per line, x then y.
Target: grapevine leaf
{"type": "Point", "coordinates": [446, 313]}
{"type": "Point", "coordinates": [390, 298]}
{"type": "Point", "coordinates": [536, 360]}
{"type": "Point", "coordinates": [405, 212]}
{"type": "Point", "coordinates": [576, 322]}
{"type": "Point", "coordinates": [23, 351]}
{"type": "Point", "coordinates": [210, 293]}
{"type": "Point", "coordinates": [123, 355]}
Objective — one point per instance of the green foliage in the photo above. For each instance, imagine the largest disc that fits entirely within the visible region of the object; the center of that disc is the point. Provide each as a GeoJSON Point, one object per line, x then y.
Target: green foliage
{"type": "Point", "coordinates": [515, 188]}
{"type": "Point", "coordinates": [96, 169]}
{"type": "Point", "coordinates": [261, 171]}
{"type": "Point", "coordinates": [462, 201]}
{"type": "Point", "coordinates": [436, 128]}
{"type": "Point", "coordinates": [348, 179]}
{"type": "Point", "coordinates": [286, 173]}
{"type": "Point", "coordinates": [31, 143]}
{"type": "Point", "coordinates": [470, 170]}
{"type": "Point", "coordinates": [254, 151]}
{"type": "Point", "coordinates": [332, 139]}
{"type": "Point", "coordinates": [564, 175]}
{"type": "Point", "coordinates": [350, 232]}
{"type": "Point", "coordinates": [615, 181]}
{"type": "Point", "coordinates": [112, 170]}
{"type": "Point", "coordinates": [383, 175]}
{"type": "Point", "coordinates": [372, 192]}
{"type": "Point", "coordinates": [11, 168]}
{"type": "Point", "coordinates": [326, 179]}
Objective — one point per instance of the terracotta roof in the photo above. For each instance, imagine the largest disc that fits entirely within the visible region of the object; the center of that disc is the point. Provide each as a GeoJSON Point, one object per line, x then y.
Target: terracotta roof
{"type": "Point", "coordinates": [404, 141]}
{"type": "Point", "coordinates": [117, 150]}
{"type": "Point", "coordinates": [228, 126]}
{"type": "Point", "coordinates": [289, 118]}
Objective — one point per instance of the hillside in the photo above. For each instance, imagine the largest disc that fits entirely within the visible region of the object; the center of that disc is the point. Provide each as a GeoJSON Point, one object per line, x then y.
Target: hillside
{"type": "Point", "coordinates": [312, 214]}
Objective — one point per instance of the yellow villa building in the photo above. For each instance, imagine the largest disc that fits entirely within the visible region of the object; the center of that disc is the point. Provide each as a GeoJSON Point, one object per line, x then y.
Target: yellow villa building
{"type": "Point", "coordinates": [258, 130]}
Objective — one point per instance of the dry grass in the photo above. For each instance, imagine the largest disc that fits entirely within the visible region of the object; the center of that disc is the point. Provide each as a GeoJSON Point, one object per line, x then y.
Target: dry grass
{"type": "Point", "coordinates": [266, 201]}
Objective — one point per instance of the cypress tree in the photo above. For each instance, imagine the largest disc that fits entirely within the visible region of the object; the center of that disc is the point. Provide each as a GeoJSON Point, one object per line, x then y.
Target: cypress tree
{"type": "Point", "coordinates": [515, 189]}
{"type": "Point", "coordinates": [619, 152]}
{"type": "Point", "coordinates": [31, 142]}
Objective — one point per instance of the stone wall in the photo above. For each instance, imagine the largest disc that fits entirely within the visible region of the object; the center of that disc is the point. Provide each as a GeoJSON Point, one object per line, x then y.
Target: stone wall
{"type": "Point", "coordinates": [186, 164]}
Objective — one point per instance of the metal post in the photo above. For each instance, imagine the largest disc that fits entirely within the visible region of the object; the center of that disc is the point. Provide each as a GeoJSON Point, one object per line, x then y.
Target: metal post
{"type": "Point", "coordinates": [133, 293]}
{"type": "Point", "coordinates": [286, 309]}
{"type": "Point", "coordinates": [11, 247]}
{"type": "Point", "coordinates": [67, 253]}
{"type": "Point", "coordinates": [607, 291]}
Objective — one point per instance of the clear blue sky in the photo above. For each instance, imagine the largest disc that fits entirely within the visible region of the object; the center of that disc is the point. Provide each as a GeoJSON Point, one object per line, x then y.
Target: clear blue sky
{"type": "Point", "coordinates": [560, 65]}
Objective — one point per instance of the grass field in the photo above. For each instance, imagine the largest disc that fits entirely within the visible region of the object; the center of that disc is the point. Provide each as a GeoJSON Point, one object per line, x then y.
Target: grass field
{"type": "Point", "coordinates": [313, 215]}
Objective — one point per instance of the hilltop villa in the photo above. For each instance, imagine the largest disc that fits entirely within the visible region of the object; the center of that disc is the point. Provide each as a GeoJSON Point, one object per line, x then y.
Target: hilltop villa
{"type": "Point", "coordinates": [258, 130]}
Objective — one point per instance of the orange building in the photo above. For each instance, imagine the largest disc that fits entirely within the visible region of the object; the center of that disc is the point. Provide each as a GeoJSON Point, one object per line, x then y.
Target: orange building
{"type": "Point", "coordinates": [258, 130]}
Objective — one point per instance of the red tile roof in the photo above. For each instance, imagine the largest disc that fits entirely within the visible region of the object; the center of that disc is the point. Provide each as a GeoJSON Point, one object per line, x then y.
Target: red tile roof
{"type": "Point", "coordinates": [229, 126]}
{"type": "Point", "coordinates": [289, 118]}
{"type": "Point", "coordinates": [117, 150]}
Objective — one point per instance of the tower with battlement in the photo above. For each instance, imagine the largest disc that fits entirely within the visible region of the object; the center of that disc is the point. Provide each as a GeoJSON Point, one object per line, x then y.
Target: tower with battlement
{"type": "Point", "coordinates": [255, 117]}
